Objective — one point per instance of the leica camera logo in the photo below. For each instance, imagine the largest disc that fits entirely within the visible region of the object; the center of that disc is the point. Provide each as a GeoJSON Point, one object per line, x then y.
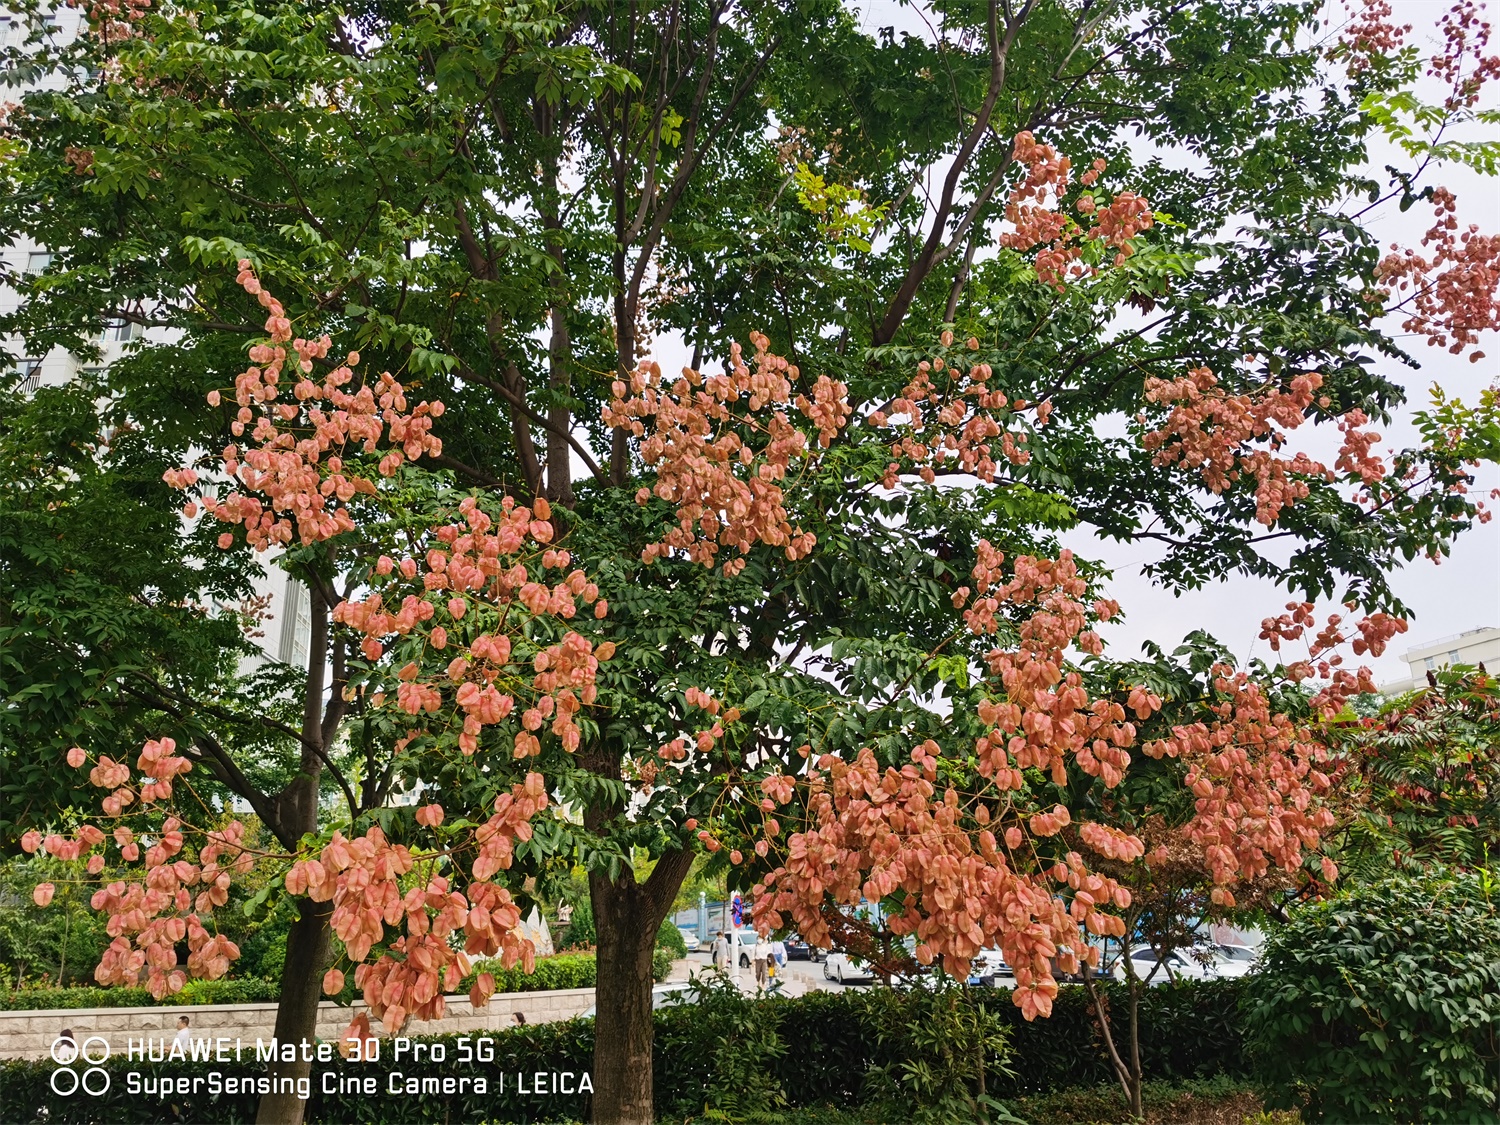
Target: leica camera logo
{"type": "Point", "coordinates": [88, 1074]}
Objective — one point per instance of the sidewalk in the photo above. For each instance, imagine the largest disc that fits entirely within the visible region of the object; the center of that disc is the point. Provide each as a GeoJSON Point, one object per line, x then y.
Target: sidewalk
{"type": "Point", "coordinates": [797, 977]}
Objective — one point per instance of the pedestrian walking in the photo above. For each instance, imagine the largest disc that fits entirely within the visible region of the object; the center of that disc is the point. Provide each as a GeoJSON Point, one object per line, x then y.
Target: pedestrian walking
{"type": "Point", "coordinates": [721, 952]}
{"type": "Point", "coordinates": [184, 1036]}
{"type": "Point", "coordinates": [761, 957]}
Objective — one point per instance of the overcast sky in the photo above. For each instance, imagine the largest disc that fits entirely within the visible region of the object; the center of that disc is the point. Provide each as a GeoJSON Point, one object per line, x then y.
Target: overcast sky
{"type": "Point", "coordinates": [1460, 594]}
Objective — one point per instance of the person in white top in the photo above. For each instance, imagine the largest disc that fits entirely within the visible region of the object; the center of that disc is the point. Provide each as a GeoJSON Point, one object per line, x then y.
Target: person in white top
{"type": "Point", "coordinates": [184, 1036]}
{"type": "Point", "coordinates": [762, 957]}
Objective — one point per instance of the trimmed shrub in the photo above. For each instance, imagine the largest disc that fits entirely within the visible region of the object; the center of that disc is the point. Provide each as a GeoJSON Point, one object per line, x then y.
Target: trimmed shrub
{"type": "Point", "coordinates": [669, 937]}
{"type": "Point", "coordinates": [249, 991]}
{"type": "Point", "coordinates": [1188, 1030]}
{"type": "Point", "coordinates": [566, 970]}
{"type": "Point", "coordinates": [824, 1049]}
{"type": "Point", "coordinates": [1383, 1004]}
{"type": "Point", "coordinates": [661, 964]}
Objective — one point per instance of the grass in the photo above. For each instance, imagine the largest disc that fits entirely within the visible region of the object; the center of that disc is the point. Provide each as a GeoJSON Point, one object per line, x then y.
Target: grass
{"type": "Point", "coordinates": [1215, 1101]}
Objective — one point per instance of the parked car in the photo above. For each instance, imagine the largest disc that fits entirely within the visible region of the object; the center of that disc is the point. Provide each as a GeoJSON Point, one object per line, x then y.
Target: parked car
{"type": "Point", "coordinates": [1238, 954]}
{"type": "Point", "coordinates": [689, 937]}
{"type": "Point", "coordinates": [663, 995]}
{"type": "Point", "coordinates": [988, 968]}
{"type": "Point", "coordinates": [798, 950]}
{"type": "Point", "coordinates": [1196, 963]}
{"type": "Point", "coordinates": [847, 969]}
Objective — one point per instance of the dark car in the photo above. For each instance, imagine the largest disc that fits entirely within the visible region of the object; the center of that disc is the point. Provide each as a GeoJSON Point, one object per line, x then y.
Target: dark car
{"type": "Point", "coordinates": [799, 950]}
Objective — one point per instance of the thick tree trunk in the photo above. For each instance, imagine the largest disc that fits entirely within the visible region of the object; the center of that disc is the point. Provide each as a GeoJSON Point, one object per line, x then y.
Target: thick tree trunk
{"type": "Point", "coordinates": [623, 1031]}
{"type": "Point", "coordinates": [627, 915]}
{"type": "Point", "coordinates": [307, 949]}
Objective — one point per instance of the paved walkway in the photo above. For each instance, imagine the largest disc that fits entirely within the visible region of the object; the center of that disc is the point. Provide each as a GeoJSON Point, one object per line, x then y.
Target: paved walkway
{"type": "Point", "coordinates": [798, 977]}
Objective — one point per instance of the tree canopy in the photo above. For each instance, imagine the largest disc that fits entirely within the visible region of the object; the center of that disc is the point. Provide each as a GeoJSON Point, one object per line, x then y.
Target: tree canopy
{"type": "Point", "coordinates": [1058, 265]}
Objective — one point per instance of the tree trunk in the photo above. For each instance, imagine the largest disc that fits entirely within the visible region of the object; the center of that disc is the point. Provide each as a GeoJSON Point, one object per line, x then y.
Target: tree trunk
{"type": "Point", "coordinates": [307, 949]}
{"type": "Point", "coordinates": [627, 915]}
{"type": "Point", "coordinates": [308, 944]}
{"type": "Point", "coordinates": [1136, 1107]}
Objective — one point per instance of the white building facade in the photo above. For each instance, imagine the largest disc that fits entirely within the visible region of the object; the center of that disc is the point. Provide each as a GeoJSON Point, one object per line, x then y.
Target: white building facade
{"type": "Point", "coordinates": [1474, 647]}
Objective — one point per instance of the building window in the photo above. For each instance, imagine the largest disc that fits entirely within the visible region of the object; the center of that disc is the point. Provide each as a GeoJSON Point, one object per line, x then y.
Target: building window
{"type": "Point", "coordinates": [120, 330]}
{"type": "Point", "coordinates": [1453, 656]}
{"type": "Point", "coordinates": [1431, 663]}
{"type": "Point", "coordinates": [296, 624]}
{"type": "Point", "coordinates": [37, 261]}
{"type": "Point", "coordinates": [29, 371]}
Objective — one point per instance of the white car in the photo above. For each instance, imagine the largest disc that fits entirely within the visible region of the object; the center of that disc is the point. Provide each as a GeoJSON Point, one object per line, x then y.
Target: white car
{"type": "Point", "coordinates": [1237, 955]}
{"type": "Point", "coordinates": [989, 967]}
{"type": "Point", "coordinates": [689, 937]}
{"type": "Point", "coordinates": [1198, 963]}
{"type": "Point", "coordinates": [847, 969]}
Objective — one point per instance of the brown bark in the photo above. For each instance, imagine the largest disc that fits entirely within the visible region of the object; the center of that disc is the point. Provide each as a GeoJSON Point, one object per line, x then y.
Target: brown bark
{"type": "Point", "coordinates": [627, 915]}
{"type": "Point", "coordinates": [560, 346]}
{"type": "Point", "coordinates": [308, 943]}
{"type": "Point", "coordinates": [307, 949]}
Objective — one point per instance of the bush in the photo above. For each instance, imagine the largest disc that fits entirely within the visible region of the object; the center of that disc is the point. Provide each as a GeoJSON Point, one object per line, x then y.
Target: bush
{"type": "Point", "coordinates": [669, 937]}
{"type": "Point", "coordinates": [718, 1056]}
{"type": "Point", "coordinates": [1189, 1030]}
{"type": "Point", "coordinates": [581, 930]}
{"type": "Point", "coordinates": [746, 1059]}
{"type": "Point", "coordinates": [566, 970]}
{"type": "Point", "coordinates": [1383, 1005]}
{"type": "Point", "coordinates": [249, 991]}
{"type": "Point", "coordinates": [661, 964]}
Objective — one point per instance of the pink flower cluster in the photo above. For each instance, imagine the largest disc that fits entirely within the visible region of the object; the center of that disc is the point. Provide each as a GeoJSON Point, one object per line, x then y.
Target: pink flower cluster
{"type": "Point", "coordinates": [1369, 35]}
{"type": "Point", "coordinates": [479, 564]}
{"type": "Point", "coordinates": [363, 878]}
{"type": "Point", "coordinates": [1061, 238]}
{"type": "Point", "coordinates": [298, 461]}
{"type": "Point", "coordinates": [1210, 430]}
{"type": "Point", "coordinates": [948, 419]}
{"type": "Point", "coordinates": [1374, 632]}
{"type": "Point", "coordinates": [1454, 291]}
{"type": "Point", "coordinates": [721, 445]}
{"type": "Point", "coordinates": [147, 919]}
{"type": "Point", "coordinates": [967, 864]}
{"type": "Point", "coordinates": [1257, 783]}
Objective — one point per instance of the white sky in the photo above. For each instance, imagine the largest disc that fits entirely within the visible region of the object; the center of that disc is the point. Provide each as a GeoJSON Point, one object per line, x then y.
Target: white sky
{"type": "Point", "coordinates": [1460, 594]}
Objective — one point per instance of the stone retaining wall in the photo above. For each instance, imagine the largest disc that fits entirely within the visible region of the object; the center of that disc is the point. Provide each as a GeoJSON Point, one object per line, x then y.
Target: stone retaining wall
{"type": "Point", "coordinates": [30, 1034]}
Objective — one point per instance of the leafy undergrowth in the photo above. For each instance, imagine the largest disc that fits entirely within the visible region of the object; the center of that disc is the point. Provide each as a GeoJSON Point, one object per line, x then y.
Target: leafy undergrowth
{"type": "Point", "coordinates": [1217, 1101]}
{"type": "Point", "coordinates": [1207, 1102]}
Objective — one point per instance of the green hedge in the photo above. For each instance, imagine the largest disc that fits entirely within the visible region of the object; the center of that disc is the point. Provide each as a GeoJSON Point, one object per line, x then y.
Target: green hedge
{"type": "Point", "coordinates": [249, 991]}
{"type": "Point", "coordinates": [567, 970]}
{"type": "Point", "coordinates": [1383, 1004]}
{"type": "Point", "coordinates": [832, 1042]}
{"type": "Point", "coordinates": [1188, 1030]}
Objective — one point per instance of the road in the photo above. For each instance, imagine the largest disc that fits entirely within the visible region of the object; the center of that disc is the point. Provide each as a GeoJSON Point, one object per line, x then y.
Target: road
{"type": "Point", "coordinates": [798, 977]}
